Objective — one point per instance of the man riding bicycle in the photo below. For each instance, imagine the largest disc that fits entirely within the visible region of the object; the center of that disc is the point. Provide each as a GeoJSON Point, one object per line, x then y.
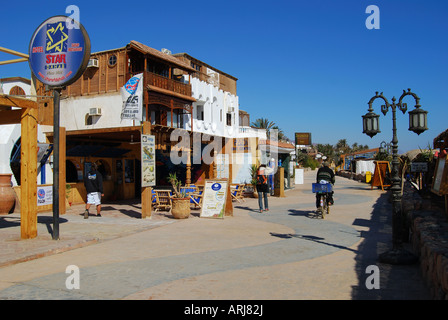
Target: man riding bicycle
{"type": "Point", "coordinates": [326, 175]}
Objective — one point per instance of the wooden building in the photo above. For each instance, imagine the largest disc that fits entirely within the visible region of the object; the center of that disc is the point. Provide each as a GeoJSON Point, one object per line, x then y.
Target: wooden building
{"type": "Point", "coordinates": [90, 114]}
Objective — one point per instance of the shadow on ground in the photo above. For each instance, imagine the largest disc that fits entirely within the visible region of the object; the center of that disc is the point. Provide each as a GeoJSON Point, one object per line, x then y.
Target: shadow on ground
{"type": "Point", "coordinates": [396, 282]}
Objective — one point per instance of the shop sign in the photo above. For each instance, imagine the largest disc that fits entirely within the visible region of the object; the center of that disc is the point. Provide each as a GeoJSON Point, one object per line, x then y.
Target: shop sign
{"type": "Point", "coordinates": [59, 51]}
{"type": "Point", "coordinates": [44, 195]}
{"type": "Point", "coordinates": [419, 167]}
{"type": "Point", "coordinates": [214, 199]}
{"type": "Point", "coordinates": [148, 160]}
{"type": "Point", "coordinates": [303, 138]}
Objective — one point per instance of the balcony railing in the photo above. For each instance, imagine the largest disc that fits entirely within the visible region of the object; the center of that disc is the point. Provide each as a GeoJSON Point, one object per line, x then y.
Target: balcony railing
{"type": "Point", "coordinates": [162, 82]}
{"type": "Point", "coordinates": [249, 132]}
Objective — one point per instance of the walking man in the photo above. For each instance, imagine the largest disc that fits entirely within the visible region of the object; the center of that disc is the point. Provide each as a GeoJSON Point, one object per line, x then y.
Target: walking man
{"type": "Point", "coordinates": [93, 181]}
{"type": "Point", "coordinates": [262, 186]}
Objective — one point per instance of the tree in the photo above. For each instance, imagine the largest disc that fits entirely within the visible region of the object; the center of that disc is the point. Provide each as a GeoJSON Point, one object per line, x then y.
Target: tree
{"type": "Point", "coordinates": [280, 134]}
{"type": "Point", "coordinates": [262, 123]}
{"type": "Point", "coordinates": [342, 146]}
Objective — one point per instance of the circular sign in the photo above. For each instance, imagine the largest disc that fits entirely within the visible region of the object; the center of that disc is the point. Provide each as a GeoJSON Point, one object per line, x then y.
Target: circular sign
{"type": "Point", "coordinates": [216, 187]}
{"type": "Point", "coordinates": [59, 51]}
{"type": "Point", "coordinates": [41, 193]}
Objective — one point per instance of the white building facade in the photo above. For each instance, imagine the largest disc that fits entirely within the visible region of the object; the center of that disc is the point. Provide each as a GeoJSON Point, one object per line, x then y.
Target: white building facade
{"type": "Point", "coordinates": [10, 135]}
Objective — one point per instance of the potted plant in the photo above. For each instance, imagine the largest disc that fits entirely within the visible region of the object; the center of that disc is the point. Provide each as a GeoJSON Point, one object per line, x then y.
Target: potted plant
{"type": "Point", "coordinates": [253, 180]}
{"type": "Point", "coordinates": [68, 189]}
{"type": "Point", "coordinates": [180, 208]}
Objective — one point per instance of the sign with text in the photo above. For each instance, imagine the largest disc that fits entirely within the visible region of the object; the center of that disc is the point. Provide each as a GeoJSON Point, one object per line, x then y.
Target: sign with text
{"type": "Point", "coordinates": [303, 138]}
{"type": "Point", "coordinates": [44, 195]}
{"type": "Point", "coordinates": [148, 160]}
{"type": "Point", "coordinates": [132, 96]}
{"type": "Point", "coordinates": [59, 51]}
{"type": "Point", "coordinates": [214, 199]}
{"type": "Point", "coordinates": [419, 167]}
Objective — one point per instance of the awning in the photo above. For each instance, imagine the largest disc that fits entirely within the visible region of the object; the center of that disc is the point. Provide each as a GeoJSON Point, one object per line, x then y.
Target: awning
{"type": "Point", "coordinates": [96, 151]}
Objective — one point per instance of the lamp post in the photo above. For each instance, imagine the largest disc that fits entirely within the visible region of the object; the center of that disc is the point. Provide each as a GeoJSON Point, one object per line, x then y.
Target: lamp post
{"type": "Point", "coordinates": [417, 124]}
{"type": "Point", "coordinates": [384, 147]}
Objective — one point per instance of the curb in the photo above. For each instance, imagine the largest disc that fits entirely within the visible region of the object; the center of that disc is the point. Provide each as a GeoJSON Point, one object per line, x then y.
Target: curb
{"type": "Point", "coordinates": [49, 252]}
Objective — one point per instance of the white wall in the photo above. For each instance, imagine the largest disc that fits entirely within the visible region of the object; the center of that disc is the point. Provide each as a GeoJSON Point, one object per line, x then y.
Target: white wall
{"type": "Point", "coordinates": [74, 112]}
{"type": "Point", "coordinates": [217, 104]}
{"type": "Point", "coordinates": [7, 86]}
{"type": "Point", "coordinates": [9, 134]}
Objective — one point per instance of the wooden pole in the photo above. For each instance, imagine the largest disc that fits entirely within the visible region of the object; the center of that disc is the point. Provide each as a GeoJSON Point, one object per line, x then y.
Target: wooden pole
{"type": "Point", "coordinates": [146, 191]}
{"type": "Point", "coordinates": [62, 171]}
{"type": "Point", "coordinates": [28, 176]}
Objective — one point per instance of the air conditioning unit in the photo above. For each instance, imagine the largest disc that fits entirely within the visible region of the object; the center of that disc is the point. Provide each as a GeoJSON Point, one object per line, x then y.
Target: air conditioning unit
{"type": "Point", "coordinates": [231, 109]}
{"type": "Point", "coordinates": [93, 63]}
{"type": "Point", "coordinates": [95, 112]}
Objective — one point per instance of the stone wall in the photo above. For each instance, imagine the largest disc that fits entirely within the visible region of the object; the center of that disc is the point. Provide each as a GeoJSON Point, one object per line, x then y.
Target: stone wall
{"type": "Point", "coordinates": [429, 238]}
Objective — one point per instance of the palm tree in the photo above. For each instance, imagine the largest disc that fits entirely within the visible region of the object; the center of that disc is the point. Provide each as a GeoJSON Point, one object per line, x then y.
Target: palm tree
{"type": "Point", "coordinates": [342, 146]}
{"type": "Point", "coordinates": [280, 133]}
{"type": "Point", "coordinates": [262, 123]}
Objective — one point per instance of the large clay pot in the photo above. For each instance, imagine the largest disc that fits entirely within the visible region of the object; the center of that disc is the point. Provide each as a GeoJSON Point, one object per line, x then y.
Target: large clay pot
{"type": "Point", "coordinates": [7, 194]}
{"type": "Point", "coordinates": [180, 208]}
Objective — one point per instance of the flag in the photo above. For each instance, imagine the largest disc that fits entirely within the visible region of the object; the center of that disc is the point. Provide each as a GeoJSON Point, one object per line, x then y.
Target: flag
{"type": "Point", "coordinates": [132, 96]}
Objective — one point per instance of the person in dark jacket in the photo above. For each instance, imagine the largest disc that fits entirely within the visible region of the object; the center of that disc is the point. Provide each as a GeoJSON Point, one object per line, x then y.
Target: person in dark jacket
{"type": "Point", "coordinates": [325, 174]}
{"type": "Point", "coordinates": [93, 181]}
{"type": "Point", "coordinates": [262, 186]}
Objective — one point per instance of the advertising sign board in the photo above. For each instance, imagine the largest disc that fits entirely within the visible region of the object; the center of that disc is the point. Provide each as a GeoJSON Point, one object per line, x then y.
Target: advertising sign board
{"type": "Point", "coordinates": [59, 51]}
{"type": "Point", "coordinates": [303, 138]}
{"type": "Point", "coordinates": [214, 199]}
{"type": "Point", "coordinates": [148, 160]}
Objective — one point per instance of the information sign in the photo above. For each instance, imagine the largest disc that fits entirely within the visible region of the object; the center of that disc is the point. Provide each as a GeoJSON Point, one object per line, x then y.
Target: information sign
{"type": "Point", "coordinates": [59, 51]}
{"type": "Point", "coordinates": [214, 199]}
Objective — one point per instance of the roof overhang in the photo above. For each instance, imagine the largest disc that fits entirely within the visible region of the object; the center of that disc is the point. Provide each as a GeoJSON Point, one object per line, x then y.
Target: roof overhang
{"type": "Point", "coordinates": [160, 55]}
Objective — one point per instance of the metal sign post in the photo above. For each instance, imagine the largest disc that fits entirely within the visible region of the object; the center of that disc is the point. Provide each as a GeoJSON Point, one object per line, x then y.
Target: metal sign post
{"type": "Point", "coordinates": [59, 52]}
{"type": "Point", "coordinates": [56, 125]}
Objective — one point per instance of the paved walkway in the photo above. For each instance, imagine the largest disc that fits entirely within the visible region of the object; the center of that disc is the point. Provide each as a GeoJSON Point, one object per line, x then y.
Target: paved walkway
{"type": "Point", "coordinates": [286, 254]}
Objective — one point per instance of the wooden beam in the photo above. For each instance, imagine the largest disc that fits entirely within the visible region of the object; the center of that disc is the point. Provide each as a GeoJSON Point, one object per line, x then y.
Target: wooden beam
{"type": "Point", "coordinates": [62, 170]}
{"type": "Point", "coordinates": [8, 101]}
{"type": "Point", "coordinates": [13, 61]}
{"type": "Point", "coordinates": [28, 176]}
{"type": "Point", "coordinates": [99, 131]}
{"type": "Point", "coordinates": [13, 52]}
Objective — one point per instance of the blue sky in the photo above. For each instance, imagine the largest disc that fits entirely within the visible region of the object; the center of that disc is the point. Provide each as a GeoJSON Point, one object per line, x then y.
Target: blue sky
{"type": "Point", "coordinates": [309, 66]}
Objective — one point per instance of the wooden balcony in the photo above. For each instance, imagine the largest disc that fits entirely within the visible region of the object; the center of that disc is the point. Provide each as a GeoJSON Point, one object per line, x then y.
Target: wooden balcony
{"type": "Point", "coordinates": [167, 84]}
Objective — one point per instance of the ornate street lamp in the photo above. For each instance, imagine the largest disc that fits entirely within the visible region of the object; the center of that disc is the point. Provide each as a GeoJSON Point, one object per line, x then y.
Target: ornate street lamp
{"type": "Point", "coordinates": [370, 123]}
{"type": "Point", "coordinates": [417, 124]}
{"type": "Point", "coordinates": [384, 147]}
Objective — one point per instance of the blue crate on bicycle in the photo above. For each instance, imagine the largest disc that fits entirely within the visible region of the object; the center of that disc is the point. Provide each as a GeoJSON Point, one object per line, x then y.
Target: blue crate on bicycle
{"type": "Point", "coordinates": [321, 187]}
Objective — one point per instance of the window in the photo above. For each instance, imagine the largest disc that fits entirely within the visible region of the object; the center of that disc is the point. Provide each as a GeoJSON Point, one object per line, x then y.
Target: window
{"type": "Point", "coordinates": [200, 112]}
{"type": "Point", "coordinates": [129, 170]}
{"type": "Point", "coordinates": [17, 91]}
{"type": "Point", "coordinates": [112, 60]}
{"type": "Point", "coordinates": [195, 66]}
{"type": "Point", "coordinates": [229, 119]}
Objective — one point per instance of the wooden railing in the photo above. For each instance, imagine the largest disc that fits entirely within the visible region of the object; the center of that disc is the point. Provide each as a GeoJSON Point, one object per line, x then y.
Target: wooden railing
{"type": "Point", "coordinates": [167, 84]}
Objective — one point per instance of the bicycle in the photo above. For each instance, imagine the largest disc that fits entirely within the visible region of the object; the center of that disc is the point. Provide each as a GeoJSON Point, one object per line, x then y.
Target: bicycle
{"type": "Point", "coordinates": [324, 189]}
